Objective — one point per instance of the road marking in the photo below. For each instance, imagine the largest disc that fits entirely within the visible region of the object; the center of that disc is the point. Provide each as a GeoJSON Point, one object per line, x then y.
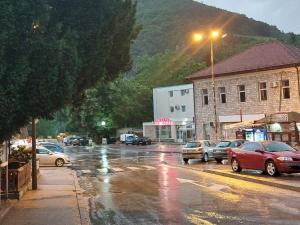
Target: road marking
{"type": "Point", "coordinates": [117, 169]}
{"type": "Point", "coordinates": [185, 181]}
{"type": "Point", "coordinates": [217, 189]}
{"type": "Point", "coordinates": [86, 171]}
{"type": "Point", "coordinates": [103, 170]}
{"type": "Point", "coordinates": [133, 168]}
{"type": "Point", "coordinates": [150, 167]}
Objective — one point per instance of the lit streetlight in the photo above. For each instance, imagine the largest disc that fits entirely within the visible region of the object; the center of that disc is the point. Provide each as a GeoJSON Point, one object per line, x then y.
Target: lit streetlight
{"type": "Point", "coordinates": [212, 36]}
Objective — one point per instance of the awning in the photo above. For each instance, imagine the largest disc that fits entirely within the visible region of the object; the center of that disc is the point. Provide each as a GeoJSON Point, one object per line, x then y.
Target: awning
{"type": "Point", "coordinates": [244, 124]}
{"type": "Point", "coordinates": [284, 117]}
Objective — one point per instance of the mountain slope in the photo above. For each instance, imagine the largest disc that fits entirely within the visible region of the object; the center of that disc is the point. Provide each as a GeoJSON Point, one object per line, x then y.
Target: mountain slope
{"type": "Point", "coordinates": [167, 24]}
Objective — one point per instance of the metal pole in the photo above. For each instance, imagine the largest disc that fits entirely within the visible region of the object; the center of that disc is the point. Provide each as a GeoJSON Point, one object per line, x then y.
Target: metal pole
{"type": "Point", "coordinates": [241, 115]}
{"type": "Point", "coordinates": [214, 87]}
{"type": "Point", "coordinates": [34, 170]}
{"type": "Point", "coordinates": [6, 170]}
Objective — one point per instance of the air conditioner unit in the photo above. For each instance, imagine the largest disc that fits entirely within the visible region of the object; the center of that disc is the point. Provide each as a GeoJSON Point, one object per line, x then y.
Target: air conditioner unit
{"type": "Point", "coordinates": [274, 84]}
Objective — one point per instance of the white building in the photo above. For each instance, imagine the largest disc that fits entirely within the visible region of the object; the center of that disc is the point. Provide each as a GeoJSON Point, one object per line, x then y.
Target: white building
{"type": "Point", "coordinates": [173, 114]}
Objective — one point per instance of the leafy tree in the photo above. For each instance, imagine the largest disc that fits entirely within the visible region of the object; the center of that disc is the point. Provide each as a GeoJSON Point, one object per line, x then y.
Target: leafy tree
{"type": "Point", "coordinates": [52, 51]}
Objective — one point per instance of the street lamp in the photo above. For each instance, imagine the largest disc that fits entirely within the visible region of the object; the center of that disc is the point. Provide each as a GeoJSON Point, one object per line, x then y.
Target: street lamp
{"type": "Point", "coordinates": [212, 36]}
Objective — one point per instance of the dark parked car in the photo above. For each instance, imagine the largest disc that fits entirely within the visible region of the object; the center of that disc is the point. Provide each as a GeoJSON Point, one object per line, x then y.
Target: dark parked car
{"type": "Point", "coordinates": [52, 147]}
{"type": "Point", "coordinates": [143, 141]}
{"type": "Point", "coordinates": [271, 157]}
{"type": "Point", "coordinates": [220, 151]}
{"type": "Point", "coordinates": [111, 140]}
{"type": "Point", "coordinates": [80, 141]}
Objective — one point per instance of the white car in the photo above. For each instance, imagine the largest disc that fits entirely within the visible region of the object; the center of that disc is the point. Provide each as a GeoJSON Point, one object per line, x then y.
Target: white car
{"type": "Point", "coordinates": [48, 157]}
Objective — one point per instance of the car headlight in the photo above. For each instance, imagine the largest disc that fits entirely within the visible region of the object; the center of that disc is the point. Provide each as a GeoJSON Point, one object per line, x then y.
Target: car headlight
{"type": "Point", "coordinates": [285, 158]}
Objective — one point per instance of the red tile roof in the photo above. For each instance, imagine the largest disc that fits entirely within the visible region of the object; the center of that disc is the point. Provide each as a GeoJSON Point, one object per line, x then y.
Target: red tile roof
{"type": "Point", "coordinates": [258, 58]}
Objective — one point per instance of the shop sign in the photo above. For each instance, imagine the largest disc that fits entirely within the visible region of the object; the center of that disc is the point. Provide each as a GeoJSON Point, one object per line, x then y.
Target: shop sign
{"type": "Point", "coordinates": [280, 117]}
{"type": "Point", "coordinates": [164, 122]}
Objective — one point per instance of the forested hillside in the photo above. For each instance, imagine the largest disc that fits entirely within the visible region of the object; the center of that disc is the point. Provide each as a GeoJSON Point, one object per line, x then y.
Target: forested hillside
{"type": "Point", "coordinates": [167, 24]}
{"type": "Point", "coordinates": [163, 54]}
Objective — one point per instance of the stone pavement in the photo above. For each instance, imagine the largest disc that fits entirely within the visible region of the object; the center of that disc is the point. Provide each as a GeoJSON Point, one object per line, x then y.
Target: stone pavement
{"type": "Point", "coordinates": [57, 201]}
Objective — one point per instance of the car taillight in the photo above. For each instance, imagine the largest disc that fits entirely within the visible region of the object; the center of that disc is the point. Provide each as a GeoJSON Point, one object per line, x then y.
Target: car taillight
{"type": "Point", "coordinates": [228, 150]}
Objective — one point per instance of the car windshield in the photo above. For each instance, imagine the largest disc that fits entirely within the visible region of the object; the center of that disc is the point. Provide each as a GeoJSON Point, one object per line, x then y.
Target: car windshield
{"type": "Point", "coordinates": [192, 145]}
{"type": "Point", "coordinates": [278, 147]}
{"type": "Point", "coordinates": [223, 144]}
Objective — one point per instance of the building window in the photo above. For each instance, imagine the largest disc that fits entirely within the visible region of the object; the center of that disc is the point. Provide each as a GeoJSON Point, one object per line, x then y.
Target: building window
{"type": "Point", "coordinates": [171, 93]}
{"type": "Point", "coordinates": [163, 132]}
{"type": "Point", "coordinates": [183, 108]}
{"type": "Point", "coordinates": [184, 92]}
{"type": "Point", "coordinates": [171, 108]}
{"type": "Point", "coordinates": [263, 91]}
{"type": "Point", "coordinates": [205, 96]}
{"type": "Point", "coordinates": [222, 93]}
{"type": "Point", "coordinates": [286, 89]}
{"type": "Point", "coordinates": [242, 93]}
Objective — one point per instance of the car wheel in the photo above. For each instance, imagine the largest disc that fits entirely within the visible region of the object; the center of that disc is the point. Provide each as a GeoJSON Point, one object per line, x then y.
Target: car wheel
{"type": "Point", "coordinates": [271, 169]}
{"type": "Point", "coordinates": [59, 162]}
{"type": "Point", "coordinates": [235, 166]}
{"type": "Point", "coordinates": [205, 158]}
{"type": "Point", "coordinates": [219, 160]}
{"type": "Point", "coordinates": [186, 161]}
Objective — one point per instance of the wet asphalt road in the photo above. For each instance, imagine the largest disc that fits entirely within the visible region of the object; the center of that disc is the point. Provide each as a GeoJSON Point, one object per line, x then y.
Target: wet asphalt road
{"type": "Point", "coordinates": [132, 185]}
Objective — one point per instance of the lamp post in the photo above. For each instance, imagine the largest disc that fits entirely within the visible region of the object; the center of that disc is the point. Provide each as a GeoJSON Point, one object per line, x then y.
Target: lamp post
{"type": "Point", "coordinates": [212, 36]}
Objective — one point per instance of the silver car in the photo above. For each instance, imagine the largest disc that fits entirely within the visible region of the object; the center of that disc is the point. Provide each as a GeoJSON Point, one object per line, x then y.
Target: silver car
{"type": "Point", "coordinates": [198, 150]}
{"type": "Point", "coordinates": [48, 157]}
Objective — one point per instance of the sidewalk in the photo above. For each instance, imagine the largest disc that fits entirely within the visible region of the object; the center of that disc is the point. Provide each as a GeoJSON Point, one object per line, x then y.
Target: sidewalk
{"type": "Point", "coordinates": [57, 201]}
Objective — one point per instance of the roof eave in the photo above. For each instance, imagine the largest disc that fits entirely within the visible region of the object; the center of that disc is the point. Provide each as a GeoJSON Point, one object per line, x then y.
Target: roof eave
{"type": "Point", "coordinates": [192, 78]}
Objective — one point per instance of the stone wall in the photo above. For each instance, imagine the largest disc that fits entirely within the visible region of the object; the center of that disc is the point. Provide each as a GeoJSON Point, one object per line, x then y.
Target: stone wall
{"type": "Point", "coordinates": [253, 105]}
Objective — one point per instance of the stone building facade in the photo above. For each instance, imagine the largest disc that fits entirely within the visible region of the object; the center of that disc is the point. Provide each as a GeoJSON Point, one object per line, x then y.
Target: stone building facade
{"type": "Point", "coordinates": [259, 88]}
{"type": "Point", "coordinates": [254, 107]}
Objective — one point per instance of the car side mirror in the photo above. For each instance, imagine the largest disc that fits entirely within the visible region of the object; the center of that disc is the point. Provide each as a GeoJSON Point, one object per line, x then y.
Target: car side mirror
{"type": "Point", "coordinates": [259, 151]}
{"type": "Point", "coordinates": [50, 153]}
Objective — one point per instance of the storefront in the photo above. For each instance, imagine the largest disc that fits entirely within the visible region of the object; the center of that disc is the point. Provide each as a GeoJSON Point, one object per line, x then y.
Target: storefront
{"type": "Point", "coordinates": [247, 130]}
{"type": "Point", "coordinates": [168, 130]}
{"type": "Point", "coordinates": [282, 127]}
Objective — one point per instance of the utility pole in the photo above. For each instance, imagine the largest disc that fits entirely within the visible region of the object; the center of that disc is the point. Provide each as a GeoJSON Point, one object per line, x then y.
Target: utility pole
{"type": "Point", "coordinates": [214, 87]}
{"type": "Point", "coordinates": [34, 169]}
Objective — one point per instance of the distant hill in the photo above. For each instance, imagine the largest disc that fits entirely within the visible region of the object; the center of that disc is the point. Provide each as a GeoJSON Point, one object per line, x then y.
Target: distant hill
{"type": "Point", "coordinates": [167, 24]}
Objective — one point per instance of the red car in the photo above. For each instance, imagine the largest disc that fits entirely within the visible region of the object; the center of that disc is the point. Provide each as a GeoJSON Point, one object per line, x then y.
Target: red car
{"type": "Point", "coordinates": [271, 157]}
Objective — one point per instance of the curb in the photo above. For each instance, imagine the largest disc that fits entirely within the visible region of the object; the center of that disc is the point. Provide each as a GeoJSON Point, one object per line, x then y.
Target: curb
{"type": "Point", "coordinates": [82, 203]}
{"type": "Point", "coordinates": [254, 180]}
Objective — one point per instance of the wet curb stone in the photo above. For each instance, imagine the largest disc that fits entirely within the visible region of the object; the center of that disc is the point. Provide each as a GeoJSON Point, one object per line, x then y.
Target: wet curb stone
{"type": "Point", "coordinates": [254, 180]}
{"type": "Point", "coordinates": [82, 202]}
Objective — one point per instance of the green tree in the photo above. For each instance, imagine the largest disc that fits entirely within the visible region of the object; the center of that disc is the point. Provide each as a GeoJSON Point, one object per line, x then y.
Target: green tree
{"type": "Point", "coordinates": [52, 51]}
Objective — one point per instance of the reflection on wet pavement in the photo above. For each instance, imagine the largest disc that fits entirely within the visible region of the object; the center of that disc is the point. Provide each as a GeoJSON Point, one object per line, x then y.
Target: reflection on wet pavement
{"type": "Point", "coordinates": [144, 187]}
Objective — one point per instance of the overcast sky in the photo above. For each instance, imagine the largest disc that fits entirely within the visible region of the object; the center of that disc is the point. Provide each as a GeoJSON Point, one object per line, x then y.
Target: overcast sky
{"type": "Point", "coordinates": [285, 14]}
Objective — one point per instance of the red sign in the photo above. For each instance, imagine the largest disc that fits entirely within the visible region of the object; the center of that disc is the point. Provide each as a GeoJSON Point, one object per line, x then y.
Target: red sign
{"type": "Point", "coordinates": [164, 122]}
